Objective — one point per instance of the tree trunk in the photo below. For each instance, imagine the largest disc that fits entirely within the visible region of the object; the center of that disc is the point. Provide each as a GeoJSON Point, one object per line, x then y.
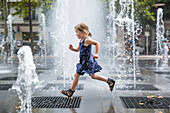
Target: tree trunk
{"type": "Point", "coordinates": [5, 28]}
{"type": "Point", "coordinates": [31, 33]}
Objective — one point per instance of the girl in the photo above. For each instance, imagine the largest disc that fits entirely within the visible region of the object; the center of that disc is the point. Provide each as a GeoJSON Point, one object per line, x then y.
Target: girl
{"type": "Point", "coordinates": [87, 63]}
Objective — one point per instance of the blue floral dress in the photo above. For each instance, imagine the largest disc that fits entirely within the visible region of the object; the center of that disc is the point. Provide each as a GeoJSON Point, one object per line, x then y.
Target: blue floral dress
{"type": "Point", "coordinates": [87, 63]}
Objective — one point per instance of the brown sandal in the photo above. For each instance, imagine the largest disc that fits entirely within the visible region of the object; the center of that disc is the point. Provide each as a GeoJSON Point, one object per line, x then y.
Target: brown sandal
{"type": "Point", "coordinates": [68, 93]}
{"type": "Point", "coordinates": [111, 84]}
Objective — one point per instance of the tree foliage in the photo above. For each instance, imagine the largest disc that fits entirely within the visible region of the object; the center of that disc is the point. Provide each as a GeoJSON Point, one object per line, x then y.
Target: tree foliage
{"type": "Point", "coordinates": [25, 7]}
{"type": "Point", "coordinates": [146, 11]}
{"type": "Point", "coordinates": [166, 9]}
{"type": "Point", "coordinates": [22, 7]}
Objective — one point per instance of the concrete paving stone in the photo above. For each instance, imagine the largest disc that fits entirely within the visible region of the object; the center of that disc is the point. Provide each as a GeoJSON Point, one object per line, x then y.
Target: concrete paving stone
{"type": "Point", "coordinates": [96, 96]}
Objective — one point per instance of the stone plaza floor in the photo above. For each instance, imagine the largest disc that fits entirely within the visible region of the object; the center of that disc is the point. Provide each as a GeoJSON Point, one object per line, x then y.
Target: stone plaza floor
{"type": "Point", "coordinates": [92, 96]}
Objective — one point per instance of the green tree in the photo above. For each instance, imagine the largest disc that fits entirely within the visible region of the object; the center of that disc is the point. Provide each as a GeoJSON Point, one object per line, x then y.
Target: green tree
{"type": "Point", "coordinates": [24, 8]}
{"type": "Point", "coordinates": [146, 10]}
{"type": "Point", "coordinates": [166, 9]}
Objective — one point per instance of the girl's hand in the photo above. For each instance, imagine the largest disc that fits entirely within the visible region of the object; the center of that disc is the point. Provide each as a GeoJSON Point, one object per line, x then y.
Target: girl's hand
{"type": "Point", "coordinates": [95, 56]}
{"type": "Point", "coordinates": [71, 47]}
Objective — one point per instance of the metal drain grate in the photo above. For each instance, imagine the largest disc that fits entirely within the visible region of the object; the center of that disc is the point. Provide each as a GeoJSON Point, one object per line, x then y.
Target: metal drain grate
{"type": "Point", "coordinates": [138, 87]}
{"type": "Point", "coordinates": [129, 78]}
{"type": "Point", "coordinates": [61, 86]}
{"type": "Point", "coordinates": [55, 102]}
{"type": "Point", "coordinates": [162, 72]}
{"type": "Point", "coordinates": [70, 78]}
{"type": "Point", "coordinates": [9, 78]}
{"type": "Point", "coordinates": [5, 86]}
{"type": "Point", "coordinates": [156, 103]}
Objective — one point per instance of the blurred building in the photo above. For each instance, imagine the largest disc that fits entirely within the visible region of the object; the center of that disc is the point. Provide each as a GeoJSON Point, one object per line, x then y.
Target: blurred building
{"type": "Point", "coordinates": [21, 26]}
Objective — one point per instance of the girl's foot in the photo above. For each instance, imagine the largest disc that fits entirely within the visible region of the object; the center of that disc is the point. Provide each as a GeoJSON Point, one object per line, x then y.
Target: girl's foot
{"type": "Point", "coordinates": [111, 84]}
{"type": "Point", "coordinates": [68, 93]}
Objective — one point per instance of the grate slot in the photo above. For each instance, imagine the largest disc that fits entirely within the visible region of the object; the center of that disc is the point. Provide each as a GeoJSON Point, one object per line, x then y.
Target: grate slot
{"type": "Point", "coordinates": [78, 104]}
{"type": "Point", "coordinates": [130, 102]}
{"type": "Point", "coordinates": [133, 101]}
{"type": "Point", "coordinates": [124, 102]}
{"type": "Point", "coordinates": [66, 104]}
{"type": "Point", "coordinates": [75, 104]}
{"type": "Point", "coordinates": [70, 104]}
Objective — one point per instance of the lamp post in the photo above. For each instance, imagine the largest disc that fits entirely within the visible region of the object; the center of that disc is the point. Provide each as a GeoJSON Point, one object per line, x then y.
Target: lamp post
{"type": "Point", "coordinates": [147, 36]}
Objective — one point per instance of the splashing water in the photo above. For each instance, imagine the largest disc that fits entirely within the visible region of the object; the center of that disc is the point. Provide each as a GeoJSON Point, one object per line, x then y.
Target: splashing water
{"type": "Point", "coordinates": [10, 39]}
{"type": "Point", "coordinates": [62, 29]}
{"type": "Point", "coordinates": [111, 38]}
{"type": "Point", "coordinates": [2, 48]}
{"type": "Point", "coordinates": [159, 34]}
{"type": "Point", "coordinates": [27, 80]}
{"type": "Point", "coordinates": [127, 30]}
{"type": "Point", "coordinates": [42, 43]}
{"type": "Point", "coordinates": [165, 60]}
{"type": "Point", "coordinates": [68, 14]}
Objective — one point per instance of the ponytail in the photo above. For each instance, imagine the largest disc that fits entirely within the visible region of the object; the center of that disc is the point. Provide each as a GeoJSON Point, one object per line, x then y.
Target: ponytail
{"type": "Point", "coordinates": [89, 34]}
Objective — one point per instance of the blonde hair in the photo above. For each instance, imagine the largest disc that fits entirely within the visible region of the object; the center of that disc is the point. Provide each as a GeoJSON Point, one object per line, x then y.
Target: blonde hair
{"type": "Point", "coordinates": [83, 28]}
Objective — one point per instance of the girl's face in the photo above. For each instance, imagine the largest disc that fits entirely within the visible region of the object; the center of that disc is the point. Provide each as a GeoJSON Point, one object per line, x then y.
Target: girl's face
{"type": "Point", "coordinates": [80, 34]}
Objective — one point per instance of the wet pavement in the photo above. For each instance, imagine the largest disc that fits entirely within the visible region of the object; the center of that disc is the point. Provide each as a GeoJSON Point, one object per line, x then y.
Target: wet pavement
{"type": "Point", "coordinates": [95, 96]}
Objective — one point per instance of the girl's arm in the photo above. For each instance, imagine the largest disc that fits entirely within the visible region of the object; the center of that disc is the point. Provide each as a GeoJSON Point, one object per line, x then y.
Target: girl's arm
{"type": "Point", "coordinates": [74, 49]}
{"type": "Point", "coordinates": [93, 42]}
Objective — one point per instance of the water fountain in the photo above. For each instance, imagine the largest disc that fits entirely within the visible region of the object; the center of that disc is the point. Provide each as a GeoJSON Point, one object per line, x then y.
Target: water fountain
{"type": "Point", "coordinates": [27, 81]}
{"type": "Point", "coordinates": [66, 17]}
{"type": "Point", "coordinates": [42, 43]}
{"type": "Point", "coordinates": [121, 20]}
{"type": "Point", "coordinates": [159, 34]}
{"type": "Point", "coordinates": [65, 60]}
{"type": "Point", "coordinates": [165, 56]}
{"type": "Point", "coordinates": [2, 48]}
{"type": "Point", "coordinates": [10, 39]}
{"type": "Point", "coordinates": [111, 33]}
{"type": "Point", "coordinates": [127, 30]}
{"type": "Point", "coordinates": [5, 68]}
{"type": "Point", "coordinates": [60, 38]}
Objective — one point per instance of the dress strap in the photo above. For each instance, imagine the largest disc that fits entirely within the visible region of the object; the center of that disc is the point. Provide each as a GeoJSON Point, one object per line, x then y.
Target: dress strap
{"type": "Point", "coordinates": [85, 39]}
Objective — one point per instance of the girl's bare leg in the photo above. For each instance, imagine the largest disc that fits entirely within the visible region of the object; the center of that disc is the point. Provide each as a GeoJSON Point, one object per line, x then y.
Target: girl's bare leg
{"type": "Point", "coordinates": [99, 77]}
{"type": "Point", "coordinates": [75, 81]}
{"type": "Point", "coordinates": [70, 92]}
{"type": "Point", "coordinates": [109, 81]}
